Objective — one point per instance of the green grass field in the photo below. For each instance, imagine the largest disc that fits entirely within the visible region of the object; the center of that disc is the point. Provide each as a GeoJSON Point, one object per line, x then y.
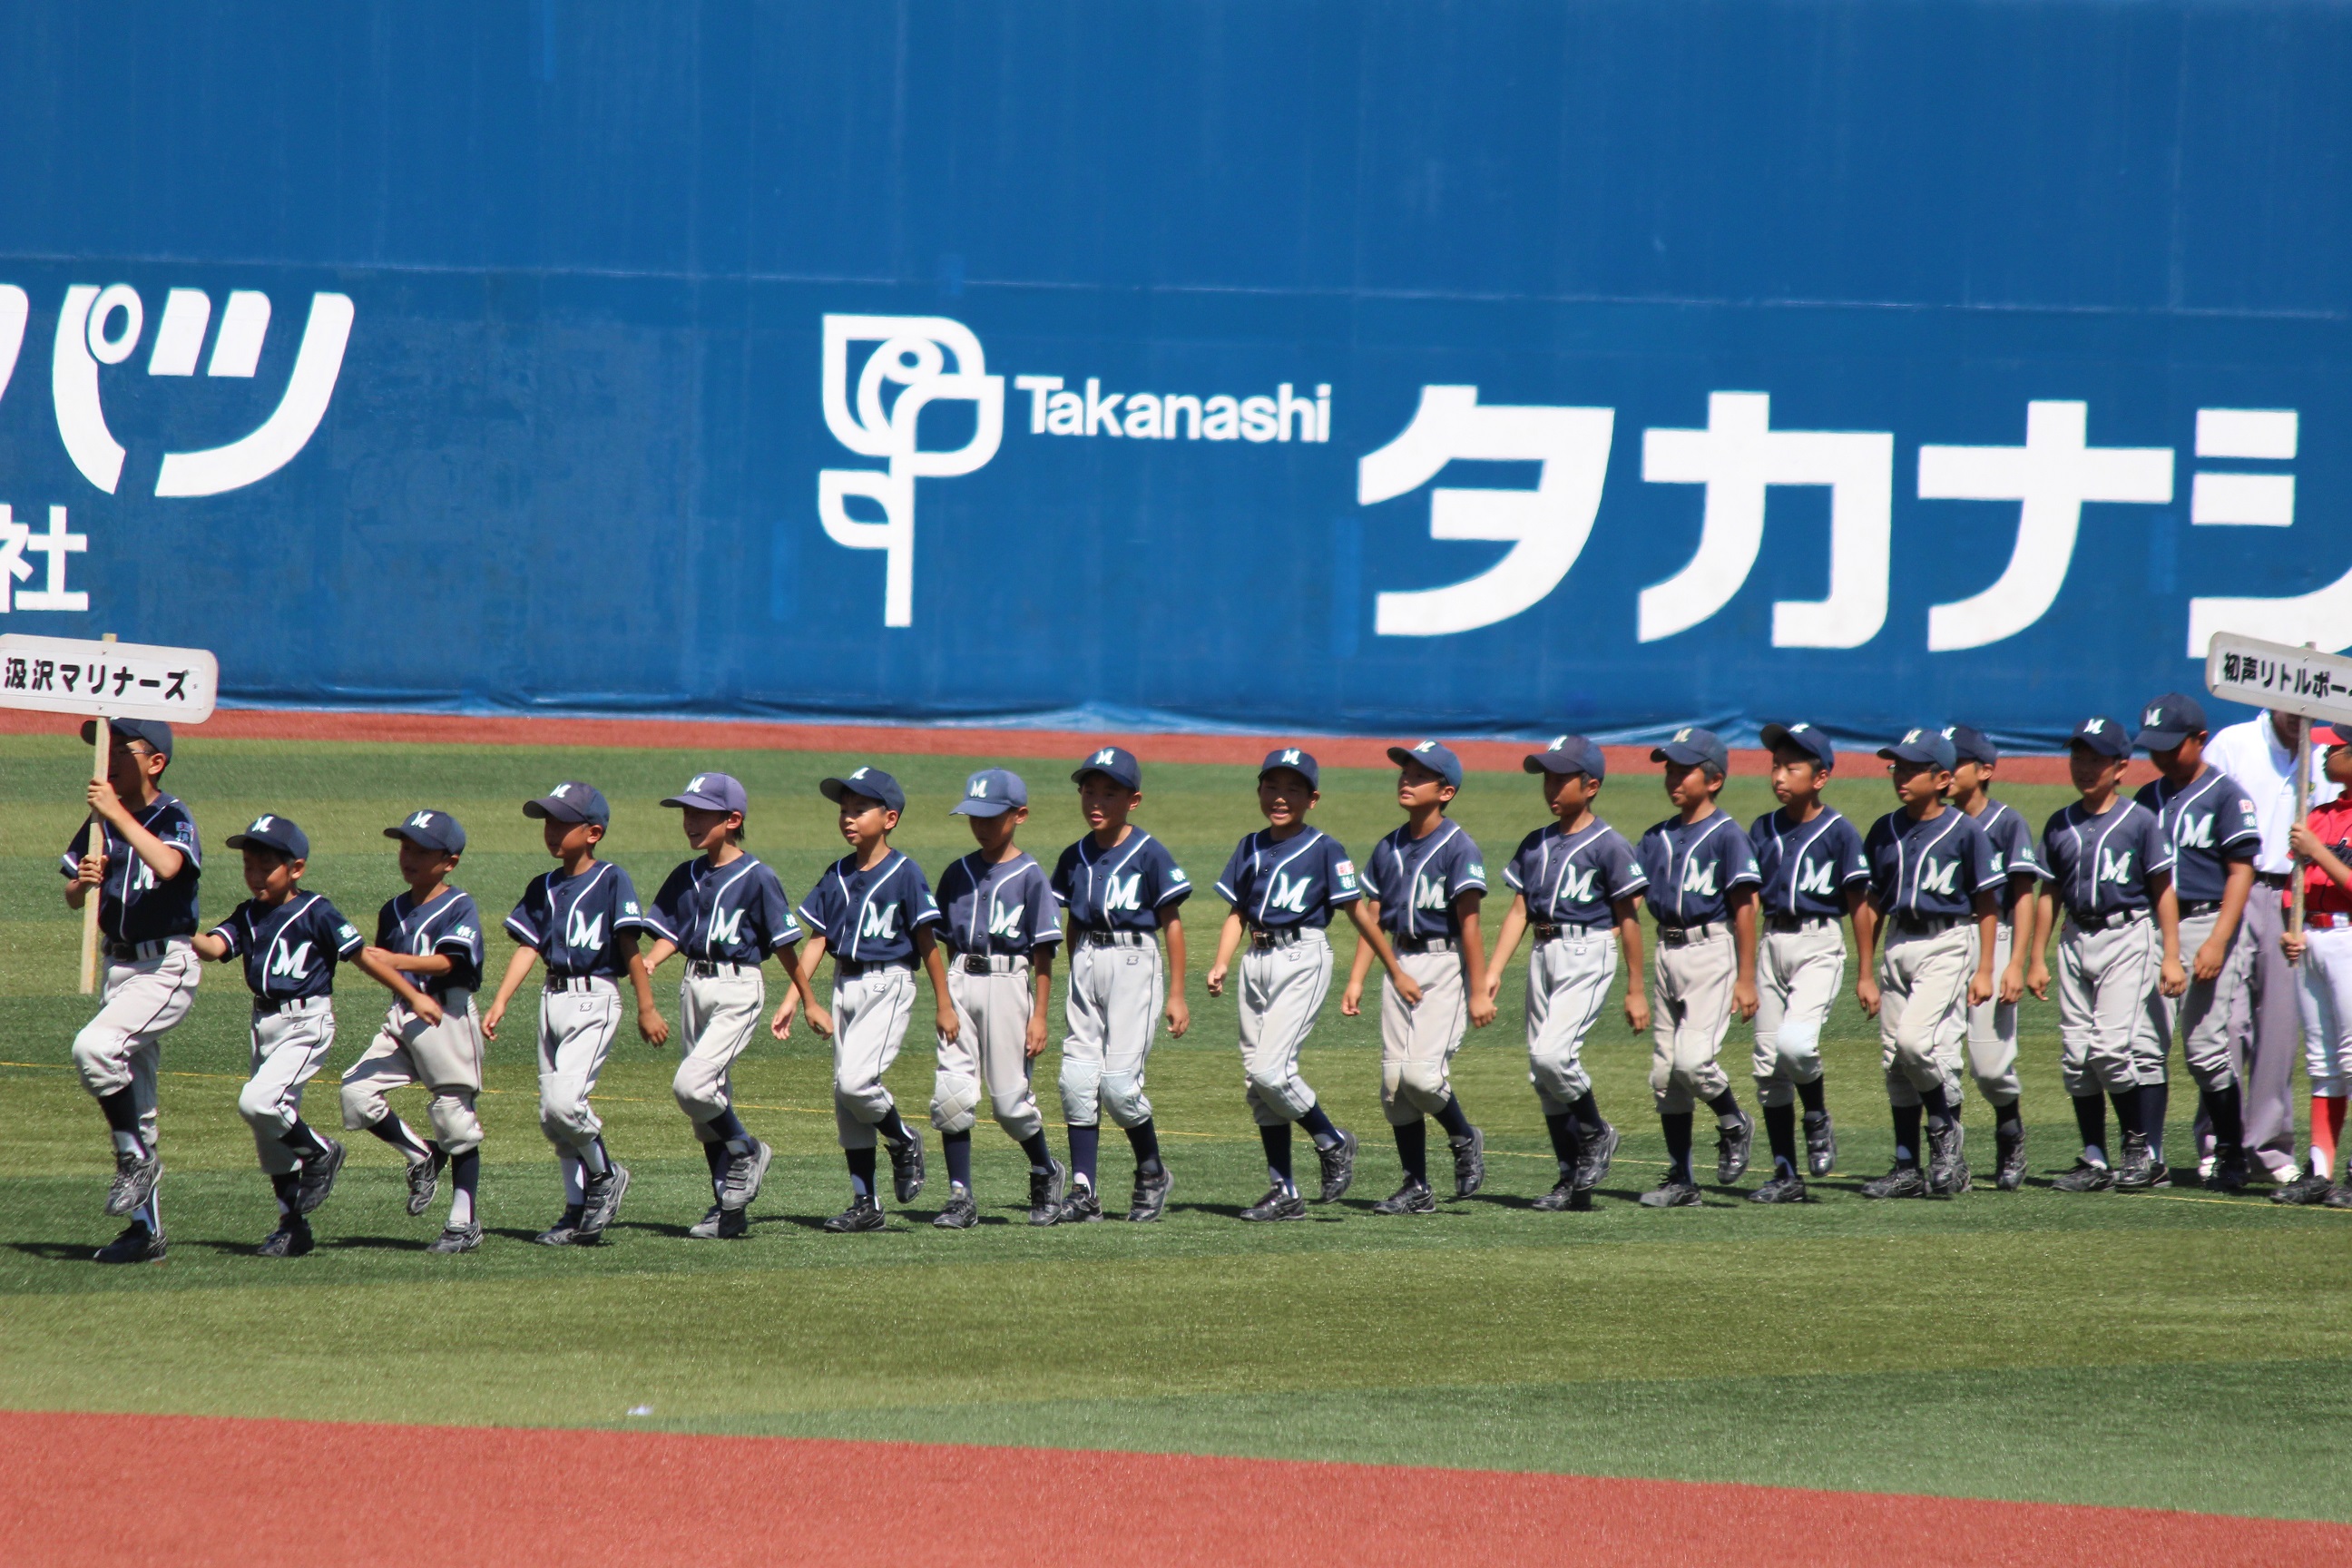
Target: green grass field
{"type": "Point", "coordinates": [2169, 1349]}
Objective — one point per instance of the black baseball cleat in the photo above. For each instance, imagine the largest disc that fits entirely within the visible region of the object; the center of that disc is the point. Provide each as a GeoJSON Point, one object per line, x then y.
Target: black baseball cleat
{"type": "Point", "coordinates": [1469, 1162]}
{"type": "Point", "coordinates": [1279, 1202]}
{"type": "Point", "coordinates": [1947, 1168]}
{"type": "Point", "coordinates": [2228, 1175]}
{"type": "Point", "coordinates": [1672, 1194]}
{"type": "Point", "coordinates": [1594, 1160]}
{"type": "Point", "coordinates": [2009, 1151]}
{"type": "Point", "coordinates": [1339, 1162]}
{"type": "Point", "coordinates": [562, 1232]}
{"type": "Point", "coordinates": [1902, 1181]}
{"type": "Point", "coordinates": [134, 1179]}
{"type": "Point", "coordinates": [1081, 1207]}
{"type": "Point", "coordinates": [1781, 1190]}
{"type": "Point", "coordinates": [1045, 1189]}
{"type": "Point", "coordinates": [1580, 1200]}
{"type": "Point", "coordinates": [1150, 1200]}
{"type": "Point", "coordinates": [292, 1239]}
{"type": "Point", "coordinates": [745, 1174]}
{"type": "Point", "coordinates": [600, 1203]}
{"type": "Point", "coordinates": [2160, 1174]}
{"type": "Point", "coordinates": [1414, 1197]}
{"type": "Point", "coordinates": [457, 1238]}
{"type": "Point", "coordinates": [2308, 1188]}
{"type": "Point", "coordinates": [2137, 1170]}
{"type": "Point", "coordinates": [1732, 1142]}
{"type": "Point", "coordinates": [2084, 1177]}
{"type": "Point", "coordinates": [863, 1214]}
{"type": "Point", "coordinates": [961, 1213]}
{"type": "Point", "coordinates": [137, 1244]}
{"type": "Point", "coordinates": [1821, 1142]}
{"type": "Point", "coordinates": [424, 1181]}
{"type": "Point", "coordinates": [1557, 1198]}
{"type": "Point", "coordinates": [907, 1166]}
{"type": "Point", "coordinates": [720, 1224]}
{"type": "Point", "coordinates": [318, 1180]}
{"type": "Point", "coordinates": [2339, 1197]}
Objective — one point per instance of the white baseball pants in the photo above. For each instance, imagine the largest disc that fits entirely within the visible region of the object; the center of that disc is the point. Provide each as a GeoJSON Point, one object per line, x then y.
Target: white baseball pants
{"type": "Point", "coordinates": [719, 1016]}
{"type": "Point", "coordinates": [1282, 990]}
{"type": "Point", "coordinates": [990, 1055]}
{"type": "Point", "coordinates": [1798, 976]}
{"type": "Point", "coordinates": [576, 1035]}
{"type": "Point", "coordinates": [1113, 1008]}
{"type": "Point", "coordinates": [2200, 1014]}
{"type": "Point", "coordinates": [2327, 1010]}
{"type": "Point", "coordinates": [1418, 1042]}
{"type": "Point", "coordinates": [446, 1059]}
{"type": "Point", "coordinates": [1690, 1012]}
{"type": "Point", "coordinates": [1568, 984]}
{"type": "Point", "coordinates": [122, 1046]}
{"type": "Point", "coordinates": [288, 1049]}
{"type": "Point", "coordinates": [870, 1010]}
{"type": "Point", "coordinates": [2104, 979]}
{"type": "Point", "coordinates": [1923, 1010]}
{"type": "Point", "coordinates": [1992, 1032]}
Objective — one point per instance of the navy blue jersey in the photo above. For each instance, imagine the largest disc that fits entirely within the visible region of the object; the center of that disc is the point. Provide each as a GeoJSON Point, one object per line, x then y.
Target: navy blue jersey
{"type": "Point", "coordinates": [1275, 883]}
{"type": "Point", "coordinates": [1005, 906]}
{"type": "Point", "coordinates": [1806, 867]}
{"type": "Point", "coordinates": [871, 916]}
{"type": "Point", "coordinates": [1416, 880]}
{"type": "Point", "coordinates": [735, 913]}
{"type": "Point", "coordinates": [2013, 849]}
{"type": "Point", "coordinates": [2100, 865]}
{"type": "Point", "coordinates": [1931, 865]}
{"type": "Point", "coordinates": [575, 922]}
{"type": "Point", "coordinates": [289, 950]}
{"type": "Point", "coordinates": [1572, 878]}
{"type": "Point", "coordinates": [451, 925]}
{"type": "Point", "coordinates": [132, 906]}
{"type": "Point", "coordinates": [1134, 885]}
{"type": "Point", "coordinates": [2209, 823]}
{"type": "Point", "coordinates": [1693, 866]}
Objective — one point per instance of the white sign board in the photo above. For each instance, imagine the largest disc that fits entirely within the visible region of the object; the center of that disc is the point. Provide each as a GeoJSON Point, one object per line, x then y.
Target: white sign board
{"type": "Point", "coordinates": [2272, 675]}
{"type": "Point", "coordinates": [107, 679]}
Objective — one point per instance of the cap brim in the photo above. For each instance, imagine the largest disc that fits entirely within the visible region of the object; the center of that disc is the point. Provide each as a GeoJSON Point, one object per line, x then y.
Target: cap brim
{"type": "Point", "coordinates": [560, 810]}
{"type": "Point", "coordinates": [2159, 740]}
{"type": "Point", "coordinates": [981, 807]}
{"type": "Point", "coordinates": [406, 837]}
{"type": "Point", "coordinates": [1120, 779]}
{"type": "Point", "coordinates": [1286, 768]}
{"type": "Point", "coordinates": [1686, 756]}
{"type": "Point", "coordinates": [1910, 755]}
{"type": "Point", "coordinates": [700, 802]}
{"type": "Point", "coordinates": [248, 841]}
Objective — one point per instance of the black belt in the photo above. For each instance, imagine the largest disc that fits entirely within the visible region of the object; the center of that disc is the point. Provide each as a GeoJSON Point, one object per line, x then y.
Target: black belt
{"type": "Point", "coordinates": [572, 982]}
{"type": "Point", "coordinates": [851, 968]}
{"type": "Point", "coordinates": [1680, 936]}
{"type": "Point", "coordinates": [1553, 931]}
{"type": "Point", "coordinates": [1422, 944]}
{"type": "Point", "coordinates": [2202, 907]}
{"type": "Point", "coordinates": [1923, 925]}
{"type": "Point", "coordinates": [1789, 925]}
{"type": "Point", "coordinates": [713, 968]}
{"type": "Point", "coordinates": [140, 952]}
{"type": "Point", "coordinates": [2112, 921]}
{"type": "Point", "coordinates": [274, 1004]}
{"type": "Point", "coordinates": [1264, 937]}
{"type": "Point", "coordinates": [990, 963]}
{"type": "Point", "coordinates": [1103, 936]}
{"type": "Point", "coordinates": [2273, 878]}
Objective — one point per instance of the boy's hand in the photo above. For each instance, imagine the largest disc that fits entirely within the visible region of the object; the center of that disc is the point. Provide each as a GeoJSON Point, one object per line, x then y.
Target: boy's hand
{"type": "Point", "coordinates": [948, 1025]}
{"type": "Point", "coordinates": [781, 1026]}
{"type": "Point", "coordinates": [106, 803]}
{"type": "Point", "coordinates": [1180, 1017]}
{"type": "Point", "coordinates": [2174, 979]}
{"type": "Point", "coordinates": [820, 1021]}
{"type": "Point", "coordinates": [2037, 979]}
{"type": "Point", "coordinates": [2210, 954]}
{"type": "Point", "coordinates": [1865, 991]}
{"type": "Point", "coordinates": [2012, 983]}
{"type": "Point", "coordinates": [1744, 1000]}
{"type": "Point", "coordinates": [1407, 987]}
{"type": "Point", "coordinates": [2299, 838]}
{"type": "Point", "coordinates": [1352, 1000]}
{"type": "Point", "coordinates": [653, 1026]}
{"type": "Point", "coordinates": [1032, 1043]}
{"type": "Point", "coordinates": [429, 1010]}
{"type": "Point", "coordinates": [1980, 989]}
{"type": "Point", "coordinates": [92, 871]}
{"type": "Point", "coordinates": [1216, 980]}
{"type": "Point", "coordinates": [2291, 943]}
{"type": "Point", "coordinates": [490, 1019]}
{"type": "Point", "coordinates": [1482, 1009]}
{"type": "Point", "coordinates": [1637, 1010]}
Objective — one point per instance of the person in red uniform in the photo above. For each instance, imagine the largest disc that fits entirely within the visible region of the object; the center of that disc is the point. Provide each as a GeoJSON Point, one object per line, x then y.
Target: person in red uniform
{"type": "Point", "coordinates": [2323, 953]}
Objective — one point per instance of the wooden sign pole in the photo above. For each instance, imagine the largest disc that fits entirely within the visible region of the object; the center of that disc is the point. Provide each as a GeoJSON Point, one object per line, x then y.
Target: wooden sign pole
{"type": "Point", "coordinates": [102, 749]}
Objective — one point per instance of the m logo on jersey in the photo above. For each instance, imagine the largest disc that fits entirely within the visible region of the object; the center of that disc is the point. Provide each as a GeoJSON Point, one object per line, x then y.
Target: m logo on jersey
{"type": "Point", "coordinates": [1698, 877]}
{"type": "Point", "coordinates": [291, 963]}
{"type": "Point", "coordinates": [726, 926]}
{"type": "Point", "coordinates": [1428, 893]}
{"type": "Point", "coordinates": [1122, 892]}
{"type": "Point", "coordinates": [2115, 867]}
{"type": "Point", "coordinates": [1813, 877]}
{"type": "Point", "coordinates": [1936, 877]}
{"type": "Point", "coordinates": [1577, 884]}
{"type": "Point", "coordinates": [1288, 894]}
{"type": "Point", "coordinates": [2194, 833]}
{"type": "Point", "coordinates": [879, 924]}
{"type": "Point", "coordinates": [1004, 919]}
{"type": "Point", "coordinates": [582, 930]}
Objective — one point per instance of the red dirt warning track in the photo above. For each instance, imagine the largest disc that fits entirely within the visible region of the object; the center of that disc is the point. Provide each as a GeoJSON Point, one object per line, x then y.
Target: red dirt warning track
{"type": "Point", "coordinates": [94, 1490]}
{"type": "Point", "coordinates": [950, 741]}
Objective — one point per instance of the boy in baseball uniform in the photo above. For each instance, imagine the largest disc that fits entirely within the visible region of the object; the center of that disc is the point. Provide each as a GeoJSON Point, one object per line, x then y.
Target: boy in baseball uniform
{"type": "Point", "coordinates": [1423, 886]}
{"type": "Point", "coordinates": [873, 910]}
{"type": "Point", "coordinates": [138, 852]}
{"type": "Point", "coordinates": [999, 925]}
{"type": "Point", "coordinates": [2215, 835]}
{"type": "Point", "coordinates": [1283, 883]}
{"type": "Point", "coordinates": [1992, 1023]}
{"type": "Point", "coordinates": [2323, 955]}
{"type": "Point", "coordinates": [1702, 879]}
{"type": "Point", "coordinates": [583, 918]}
{"type": "Point", "coordinates": [1125, 894]}
{"type": "Point", "coordinates": [1935, 894]}
{"type": "Point", "coordinates": [290, 942]}
{"type": "Point", "coordinates": [2108, 861]}
{"type": "Point", "coordinates": [726, 913]}
{"type": "Point", "coordinates": [1810, 859]}
{"type": "Point", "coordinates": [432, 937]}
{"type": "Point", "coordinates": [1571, 883]}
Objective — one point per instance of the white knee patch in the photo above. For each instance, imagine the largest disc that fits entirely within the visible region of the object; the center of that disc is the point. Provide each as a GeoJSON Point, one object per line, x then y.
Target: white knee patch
{"type": "Point", "coordinates": [1424, 1084]}
{"type": "Point", "coordinates": [1081, 1084]}
{"type": "Point", "coordinates": [363, 1107]}
{"type": "Point", "coordinates": [260, 1107]}
{"type": "Point", "coordinates": [455, 1127]}
{"type": "Point", "coordinates": [1122, 1099]}
{"type": "Point", "coordinates": [955, 1102]}
{"type": "Point", "coordinates": [698, 1091]}
{"type": "Point", "coordinates": [1798, 1037]}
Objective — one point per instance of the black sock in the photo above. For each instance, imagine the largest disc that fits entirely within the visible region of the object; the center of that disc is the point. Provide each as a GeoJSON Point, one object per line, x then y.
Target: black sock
{"type": "Point", "coordinates": [1810, 1095]}
{"type": "Point", "coordinates": [1677, 1125]}
{"type": "Point", "coordinates": [892, 1130]}
{"type": "Point", "coordinates": [1085, 1141]}
{"type": "Point", "coordinates": [121, 1114]}
{"type": "Point", "coordinates": [2155, 1101]}
{"type": "Point", "coordinates": [1144, 1138]}
{"type": "Point", "coordinates": [1566, 1140]}
{"type": "Point", "coordinates": [301, 1139]}
{"type": "Point", "coordinates": [1939, 1109]}
{"type": "Point", "coordinates": [397, 1133]}
{"type": "Point", "coordinates": [287, 1185]}
{"type": "Point", "coordinates": [1457, 1125]}
{"type": "Point", "coordinates": [715, 1155]}
{"type": "Point", "coordinates": [1413, 1150]}
{"type": "Point", "coordinates": [466, 1175]}
{"type": "Point", "coordinates": [1041, 1156]}
{"type": "Point", "coordinates": [957, 1147]}
{"type": "Point", "coordinates": [2091, 1120]}
{"type": "Point", "coordinates": [1587, 1112]}
{"type": "Point", "coordinates": [861, 1170]}
{"type": "Point", "coordinates": [729, 1127]}
{"type": "Point", "coordinates": [2225, 1109]}
{"type": "Point", "coordinates": [1907, 1135]}
{"type": "Point", "coordinates": [1276, 1140]}
{"type": "Point", "coordinates": [1725, 1105]}
{"type": "Point", "coordinates": [2010, 1118]}
{"type": "Point", "coordinates": [2127, 1104]}
{"type": "Point", "coordinates": [1319, 1127]}
{"type": "Point", "coordinates": [1780, 1126]}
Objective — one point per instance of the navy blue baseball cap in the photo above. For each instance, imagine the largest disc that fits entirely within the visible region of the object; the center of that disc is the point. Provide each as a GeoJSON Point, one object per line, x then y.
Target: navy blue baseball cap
{"type": "Point", "coordinates": [430, 830]}
{"type": "Point", "coordinates": [155, 731]}
{"type": "Point", "coordinates": [1801, 738]}
{"type": "Point", "coordinates": [1432, 756]}
{"type": "Point", "coordinates": [872, 783]}
{"type": "Point", "coordinates": [992, 792]}
{"type": "Point", "coordinates": [2171, 719]}
{"type": "Point", "coordinates": [1116, 764]}
{"type": "Point", "coordinates": [1932, 747]}
{"type": "Point", "coordinates": [1568, 754]}
{"type": "Point", "coordinates": [276, 833]}
{"type": "Point", "coordinates": [572, 801]}
{"type": "Point", "coordinates": [1970, 744]}
{"type": "Point", "coordinates": [1694, 748]}
{"type": "Point", "coordinates": [712, 792]}
{"type": "Point", "coordinates": [2103, 736]}
{"type": "Point", "coordinates": [1296, 760]}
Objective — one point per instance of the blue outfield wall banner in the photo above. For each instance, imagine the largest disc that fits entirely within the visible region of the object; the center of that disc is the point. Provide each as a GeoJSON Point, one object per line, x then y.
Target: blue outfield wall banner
{"type": "Point", "coordinates": [1481, 368]}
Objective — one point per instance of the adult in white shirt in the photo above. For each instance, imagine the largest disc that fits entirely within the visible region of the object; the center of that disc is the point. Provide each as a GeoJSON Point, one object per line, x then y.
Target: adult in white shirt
{"type": "Point", "coordinates": [2266, 1021]}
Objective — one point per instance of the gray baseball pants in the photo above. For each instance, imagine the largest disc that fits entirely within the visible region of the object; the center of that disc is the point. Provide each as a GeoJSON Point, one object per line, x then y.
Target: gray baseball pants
{"type": "Point", "coordinates": [2201, 1014]}
{"type": "Point", "coordinates": [1568, 984]}
{"type": "Point", "coordinates": [870, 1010]}
{"type": "Point", "coordinates": [1282, 990]}
{"type": "Point", "coordinates": [122, 1046]}
{"type": "Point", "coordinates": [575, 1036]}
{"type": "Point", "coordinates": [2265, 1030]}
{"type": "Point", "coordinates": [1923, 1011]}
{"type": "Point", "coordinates": [1113, 1011]}
{"type": "Point", "coordinates": [445, 1057]}
{"type": "Point", "coordinates": [289, 1046]}
{"type": "Point", "coordinates": [1798, 976]}
{"type": "Point", "coordinates": [719, 1016]}
{"type": "Point", "coordinates": [990, 1055]}
{"type": "Point", "coordinates": [1992, 1032]}
{"type": "Point", "coordinates": [2104, 979]}
{"type": "Point", "coordinates": [1690, 1012]}
{"type": "Point", "coordinates": [1418, 1042]}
